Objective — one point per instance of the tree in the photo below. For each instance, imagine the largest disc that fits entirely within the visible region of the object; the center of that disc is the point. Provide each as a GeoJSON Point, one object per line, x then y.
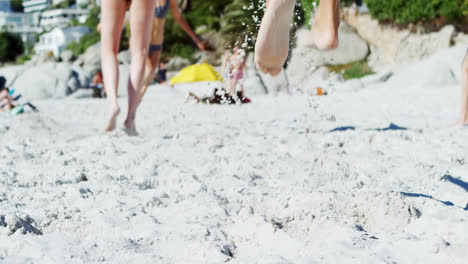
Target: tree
{"type": "Point", "coordinates": [16, 5]}
{"type": "Point", "coordinates": [11, 46]}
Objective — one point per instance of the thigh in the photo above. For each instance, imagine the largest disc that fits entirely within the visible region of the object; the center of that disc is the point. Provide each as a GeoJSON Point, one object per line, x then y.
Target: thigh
{"type": "Point", "coordinates": [141, 15]}
{"type": "Point", "coordinates": [112, 18]}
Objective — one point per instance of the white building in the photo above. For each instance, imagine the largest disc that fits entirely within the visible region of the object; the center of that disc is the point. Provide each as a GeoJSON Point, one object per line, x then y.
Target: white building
{"type": "Point", "coordinates": [26, 25]}
{"type": "Point", "coordinates": [35, 5]}
{"type": "Point", "coordinates": [58, 39]}
{"type": "Point", "coordinates": [61, 17]}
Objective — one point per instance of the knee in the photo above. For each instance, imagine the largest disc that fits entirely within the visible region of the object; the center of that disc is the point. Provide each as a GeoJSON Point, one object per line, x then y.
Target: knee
{"type": "Point", "coordinates": [108, 52]}
{"type": "Point", "coordinates": [139, 54]}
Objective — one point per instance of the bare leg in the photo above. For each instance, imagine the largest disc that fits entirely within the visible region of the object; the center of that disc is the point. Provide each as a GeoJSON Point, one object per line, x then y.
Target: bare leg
{"type": "Point", "coordinates": [231, 86]}
{"type": "Point", "coordinates": [141, 13]}
{"type": "Point", "coordinates": [324, 33]}
{"type": "Point", "coordinates": [113, 15]}
{"type": "Point", "coordinates": [152, 63]}
{"type": "Point", "coordinates": [464, 106]}
{"type": "Point", "coordinates": [271, 49]}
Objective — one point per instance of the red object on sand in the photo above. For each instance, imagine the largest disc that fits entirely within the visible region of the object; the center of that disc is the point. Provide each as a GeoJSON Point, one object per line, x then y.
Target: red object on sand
{"type": "Point", "coordinates": [320, 91]}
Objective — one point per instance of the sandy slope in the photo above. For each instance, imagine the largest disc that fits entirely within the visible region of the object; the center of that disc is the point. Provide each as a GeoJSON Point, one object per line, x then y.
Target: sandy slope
{"type": "Point", "coordinates": [259, 183]}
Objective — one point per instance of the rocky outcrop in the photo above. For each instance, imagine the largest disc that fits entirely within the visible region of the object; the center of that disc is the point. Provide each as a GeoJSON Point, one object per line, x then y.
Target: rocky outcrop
{"type": "Point", "coordinates": [50, 80]}
{"type": "Point", "coordinates": [177, 63]}
{"type": "Point", "coordinates": [124, 57]}
{"type": "Point", "coordinates": [209, 57]}
{"type": "Point", "coordinates": [90, 61]}
{"type": "Point", "coordinates": [392, 46]}
{"type": "Point", "coordinates": [440, 70]}
{"type": "Point", "coordinates": [66, 56]}
{"type": "Point", "coordinates": [305, 61]}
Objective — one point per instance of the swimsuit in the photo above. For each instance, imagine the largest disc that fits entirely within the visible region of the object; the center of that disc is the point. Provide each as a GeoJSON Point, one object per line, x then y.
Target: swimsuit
{"type": "Point", "coordinates": [161, 13]}
{"type": "Point", "coordinates": [238, 75]}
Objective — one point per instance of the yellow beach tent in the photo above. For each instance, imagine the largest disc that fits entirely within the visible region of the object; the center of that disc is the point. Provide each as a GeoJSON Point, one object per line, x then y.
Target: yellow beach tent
{"type": "Point", "coordinates": [203, 72]}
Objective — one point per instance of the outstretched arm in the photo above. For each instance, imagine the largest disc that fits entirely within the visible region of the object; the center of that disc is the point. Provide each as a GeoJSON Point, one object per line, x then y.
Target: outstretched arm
{"type": "Point", "coordinates": [183, 23]}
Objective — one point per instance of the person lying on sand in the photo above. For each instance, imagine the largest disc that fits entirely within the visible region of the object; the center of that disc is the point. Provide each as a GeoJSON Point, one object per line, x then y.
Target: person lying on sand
{"type": "Point", "coordinates": [234, 66]}
{"type": "Point", "coordinates": [113, 16]}
{"type": "Point", "coordinates": [464, 106]}
{"type": "Point", "coordinates": [157, 36]}
{"type": "Point", "coordinates": [6, 101]}
{"type": "Point", "coordinates": [271, 49]}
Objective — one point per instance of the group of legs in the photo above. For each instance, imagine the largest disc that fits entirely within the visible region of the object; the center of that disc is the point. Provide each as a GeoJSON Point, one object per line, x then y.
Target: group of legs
{"type": "Point", "coordinates": [272, 45]}
{"type": "Point", "coordinates": [271, 49]}
{"type": "Point", "coordinates": [145, 48]}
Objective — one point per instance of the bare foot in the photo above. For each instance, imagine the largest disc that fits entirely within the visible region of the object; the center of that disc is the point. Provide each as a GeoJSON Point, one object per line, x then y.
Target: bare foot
{"type": "Point", "coordinates": [130, 128]}
{"type": "Point", "coordinates": [462, 123]}
{"type": "Point", "coordinates": [271, 49]}
{"type": "Point", "coordinates": [324, 33]}
{"type": "Point", "coordinates": [114, 111]}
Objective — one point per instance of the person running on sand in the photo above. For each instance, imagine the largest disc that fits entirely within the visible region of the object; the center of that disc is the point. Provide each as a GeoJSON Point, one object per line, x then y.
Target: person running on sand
{"type": "Point", "coordinates": [157, 36]}
{"type": "Point", "coordinates": [271, 49]}
{"type": "Point", "coordinates": [464, 106]}
{"type": "Point", "coordinates": [112, 19]}
{"type": "Point", "coordinates": [234, 66]}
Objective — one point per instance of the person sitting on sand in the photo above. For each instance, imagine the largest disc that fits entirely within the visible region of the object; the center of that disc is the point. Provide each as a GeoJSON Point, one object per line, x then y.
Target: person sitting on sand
{"type": "Point", "coordinates": [162, 73]}
{"type": "Point", "coordinates": [113, 16]}
{"type": "Point", "coordinates": [464, 106]}
{"type": "Point", "coordinates": [98, 84]}
{"type": "Point", "coordinates": [272, 46]}
{"type": "Point", "coordinates": [157, 36]}
{"type": "Point", "coordinates": [234, 67]}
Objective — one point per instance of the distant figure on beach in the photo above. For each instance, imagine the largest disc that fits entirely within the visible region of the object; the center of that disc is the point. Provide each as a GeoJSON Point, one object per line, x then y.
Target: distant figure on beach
{"type": "Point", "coordinates": [234, 66]}
{"type": "Point", "coordinates": [162, 73]}
{"type": "Point", "coordinates": [271, 49]}
{"type": "Point", "coordinates": [464, 106]}
{"type": "Point", "coordinates": [157, 37]}
{"type": "Point", "coordinates": [112, 19]}
{"type": "Point", "coordinates": [6, 101]}
{"type": "Point", "coordinates": [98, 84]}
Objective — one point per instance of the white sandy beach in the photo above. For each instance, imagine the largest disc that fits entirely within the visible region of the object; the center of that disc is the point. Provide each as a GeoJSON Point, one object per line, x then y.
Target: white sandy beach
{"type": "Point", "coordinates": [258, 183]}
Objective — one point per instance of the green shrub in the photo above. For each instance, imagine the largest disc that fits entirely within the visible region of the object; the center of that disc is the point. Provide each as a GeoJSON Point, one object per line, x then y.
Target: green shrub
{"type": "Point", "coordinates": [198, 13]}
{"type": "Point", "coordinates": [17, 5]}
{"type": "Point", "coordinates": [352, 70]}
{"type": "Point", "coordinates": [11, 46]}
{"type": "Point", "coordinates": [403, 11]}
{"type": "Point", "coordinates": [89, 39]}
{"type": "Point", "coordinates": [85, 42]}
{"type": "Point", "coordinates": [182, 50]}
{"type": "Point", "coordinates": [22, 59]}
{"type": "Point", "coordinates": [241, 21]}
